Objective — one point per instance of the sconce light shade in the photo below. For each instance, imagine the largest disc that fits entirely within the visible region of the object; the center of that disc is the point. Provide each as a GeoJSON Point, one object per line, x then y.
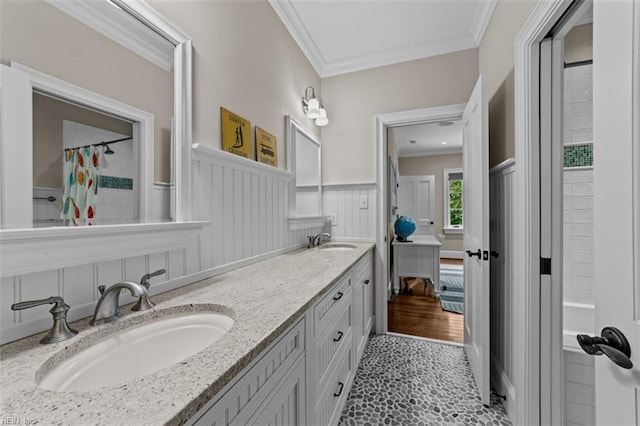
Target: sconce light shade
{"type": "Point", "coordinates": [313, 108]}
{"type": "Point", "coordinates": [322, 119]}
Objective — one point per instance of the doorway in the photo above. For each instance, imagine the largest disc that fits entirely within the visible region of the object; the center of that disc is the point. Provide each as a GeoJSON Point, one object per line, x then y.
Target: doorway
{"type": "Point", "coordinates": [427, 159]}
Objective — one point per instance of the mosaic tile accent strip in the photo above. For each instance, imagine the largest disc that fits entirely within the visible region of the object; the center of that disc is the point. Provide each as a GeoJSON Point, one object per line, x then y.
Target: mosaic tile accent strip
{"type": "Point", "coordinates": [578, 155]}
{"type": "Point", "coordinates": [403, 381]}
{"type": "Point", "coordinates": [115, 182]}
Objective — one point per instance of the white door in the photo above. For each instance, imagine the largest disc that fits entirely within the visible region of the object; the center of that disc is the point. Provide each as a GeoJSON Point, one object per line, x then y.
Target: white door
{"type": "Point", "coordinates": [416, 199]}
{"type": "Point", "coordinates": [616, 125]}
{"type": "Point", "coordinates": [475, 159]}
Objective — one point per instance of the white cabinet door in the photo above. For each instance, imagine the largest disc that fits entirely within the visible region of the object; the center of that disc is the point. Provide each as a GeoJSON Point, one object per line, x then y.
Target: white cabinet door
{"type": "Point", "coordinates": [285, 406]}
{"type": "Point", "coordinates": [475, 160]}
{"type": "Point", "coordinates": [416, 200]}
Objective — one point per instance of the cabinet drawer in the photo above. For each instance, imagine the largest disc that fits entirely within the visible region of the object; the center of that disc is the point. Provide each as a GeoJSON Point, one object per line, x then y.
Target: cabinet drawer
{"type": "Point", "coordinates": [329, 306]}
{"type": "Point", "coordinates": [331, 401]}
{"type": "Point", "coordinates": [330, 340]}
{"type": "Point", "coordinates": [240, 400]}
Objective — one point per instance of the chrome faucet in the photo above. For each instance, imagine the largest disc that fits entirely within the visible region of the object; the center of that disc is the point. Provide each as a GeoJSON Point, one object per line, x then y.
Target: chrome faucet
{"type": "Point", "coordinates": [143, 302]}
{"type": "Point", "coordinates": [108, 306]}
{"type": "Point", "coordinates": [316, 240]}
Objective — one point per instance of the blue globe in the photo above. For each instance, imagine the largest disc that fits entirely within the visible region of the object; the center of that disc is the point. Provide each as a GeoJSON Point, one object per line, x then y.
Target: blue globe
{"type": "Point", "coordinates": [404, 226]}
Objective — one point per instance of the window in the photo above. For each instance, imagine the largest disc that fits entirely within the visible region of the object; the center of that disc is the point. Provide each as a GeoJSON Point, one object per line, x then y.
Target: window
{"type": "Point", "coordinates": [453, 201]}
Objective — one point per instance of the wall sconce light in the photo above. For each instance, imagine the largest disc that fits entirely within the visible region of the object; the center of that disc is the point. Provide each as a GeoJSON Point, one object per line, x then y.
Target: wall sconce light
{"type": "Point", "coordinates": [313, 107]}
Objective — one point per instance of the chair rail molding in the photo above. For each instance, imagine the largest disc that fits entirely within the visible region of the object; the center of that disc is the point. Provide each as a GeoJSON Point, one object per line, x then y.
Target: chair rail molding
{"type": "Point", "coordinates": [25, 251]}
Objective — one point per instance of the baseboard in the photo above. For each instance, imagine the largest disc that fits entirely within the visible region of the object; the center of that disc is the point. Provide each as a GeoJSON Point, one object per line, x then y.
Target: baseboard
{"type": "Point", "coordinates": [503, 386]}
{"type": "Point", "coordinates": [450, 254]}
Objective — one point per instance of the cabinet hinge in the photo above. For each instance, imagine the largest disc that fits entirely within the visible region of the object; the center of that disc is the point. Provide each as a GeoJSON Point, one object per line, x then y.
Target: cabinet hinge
{"type": "Point", "coordinates": [545, 266]}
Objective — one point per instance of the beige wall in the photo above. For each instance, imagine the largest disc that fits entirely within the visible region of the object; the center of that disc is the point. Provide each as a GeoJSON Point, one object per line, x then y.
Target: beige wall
{"type": "Point", "coordinates": [435, 165]}
{"type": "Point", "coordinates": [48, 114]}
{"type": "Point", "coordinates": [39, 36]}
{"type": "Point", "coordinates": [352, 100]}
{"type": "Point", "coordinates": [578, 44]}
{"type": "Point", "coordinates": [496, 62]}
{"type": "Point", "coordinates": [246, 61]}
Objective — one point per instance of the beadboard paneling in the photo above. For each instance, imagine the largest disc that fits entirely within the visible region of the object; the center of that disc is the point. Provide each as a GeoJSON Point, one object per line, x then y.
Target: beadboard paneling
{"type": "Point", "coordinates": [501, 223]}
{"type": "Point", "coordinates": [247, 204]}
{"type": "Point", "coordinates": [343, 202]}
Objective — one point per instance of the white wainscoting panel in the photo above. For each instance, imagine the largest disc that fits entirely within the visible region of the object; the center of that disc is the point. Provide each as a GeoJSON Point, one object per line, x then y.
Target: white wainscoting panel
{"type": "Point", "coordinates": [247, 204]}
{"type": "Point", "coordinates": [501, 223]}
{"type": "Point", "coordinates": [351, 221]}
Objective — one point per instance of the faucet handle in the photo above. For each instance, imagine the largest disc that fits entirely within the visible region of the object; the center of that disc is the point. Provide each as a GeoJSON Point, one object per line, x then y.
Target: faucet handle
{"type": "Point", "coordinates": [311, 239]}
{"type": "Point", "coordinates": [144, 302]}
{"type": "Point", "coordinates": [60, 330]}
{"type": "Point", "coordinates": [145, 278]}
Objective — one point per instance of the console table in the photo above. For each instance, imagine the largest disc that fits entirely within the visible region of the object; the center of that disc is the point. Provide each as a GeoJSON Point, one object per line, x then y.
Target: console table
{"type": "Point", "coordinates": [419, 258]}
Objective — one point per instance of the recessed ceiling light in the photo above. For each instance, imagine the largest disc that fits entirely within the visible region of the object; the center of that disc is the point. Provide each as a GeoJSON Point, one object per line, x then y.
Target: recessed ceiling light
{"type": "Point", "coordinates": [412, 142]}
{"type": "Point", "coordinates": [443, 143]}
{"type": "Point", "coordinates": [445, 123]}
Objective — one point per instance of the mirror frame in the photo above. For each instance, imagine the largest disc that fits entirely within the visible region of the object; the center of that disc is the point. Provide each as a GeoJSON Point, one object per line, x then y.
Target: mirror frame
{"type": "Point", "coordinates": [17, 245]}
{"type": "Point", "coordinates": [301, 222]}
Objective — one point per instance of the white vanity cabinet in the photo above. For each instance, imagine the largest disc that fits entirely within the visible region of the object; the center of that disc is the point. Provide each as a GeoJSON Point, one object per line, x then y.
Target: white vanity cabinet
{"type": "Point", "coordinates": [271, 390]}
{"type": "Point", "coordinates": [304, 377]}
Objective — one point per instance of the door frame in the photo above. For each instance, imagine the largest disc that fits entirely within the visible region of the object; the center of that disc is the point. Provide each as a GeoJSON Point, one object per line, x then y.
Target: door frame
{"type": "Point", "coordinates": [530, 408]}
{"type": "Point", "coordinates": [381, 123]}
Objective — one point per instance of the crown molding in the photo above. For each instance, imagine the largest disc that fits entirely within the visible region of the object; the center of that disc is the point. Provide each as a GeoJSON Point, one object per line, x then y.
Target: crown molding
{"type": "Point", "coordinates": [116, 25]}
{"type": "Point", "coordinates": [292, 22]}
{"type": "Point", "coordinates": [396, 56]}
{"type": "Point", "coordinates": [482, 19]}
{"type": "Point", "coordinates": [297, 29]}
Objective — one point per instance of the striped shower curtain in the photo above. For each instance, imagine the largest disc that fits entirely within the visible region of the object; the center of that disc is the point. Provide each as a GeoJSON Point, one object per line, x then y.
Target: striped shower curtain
{"type": "Point", "coordinates": [80, 175]}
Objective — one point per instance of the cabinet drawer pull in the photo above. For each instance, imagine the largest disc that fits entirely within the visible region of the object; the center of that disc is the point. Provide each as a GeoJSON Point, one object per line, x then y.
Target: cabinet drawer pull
{"type": "Point", "coordinates": [338, 296]}
{"type": "Point", "coordinates": [340, 391]}
{"type": "Point", "coordinates": [340, 334]}
{"type": "Point", "coordinates": [366, 282]}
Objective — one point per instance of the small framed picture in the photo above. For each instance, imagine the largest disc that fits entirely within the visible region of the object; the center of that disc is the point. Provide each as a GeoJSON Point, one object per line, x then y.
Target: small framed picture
{"type": "Point", "coordinates": [236, 134]}
{"type": "Point", "coordinates": [266, 148]}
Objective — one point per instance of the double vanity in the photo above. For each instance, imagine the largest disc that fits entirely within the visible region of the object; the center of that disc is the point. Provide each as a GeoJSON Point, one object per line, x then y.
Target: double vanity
{"type": "Point", "coordinates": [277, 341]}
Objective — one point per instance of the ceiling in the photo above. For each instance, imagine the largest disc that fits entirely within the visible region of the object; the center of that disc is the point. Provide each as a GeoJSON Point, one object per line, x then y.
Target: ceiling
{"type": "Point", "coordinates": [428, 139]}
{"type": "Point", "coordinates": [339, 36]}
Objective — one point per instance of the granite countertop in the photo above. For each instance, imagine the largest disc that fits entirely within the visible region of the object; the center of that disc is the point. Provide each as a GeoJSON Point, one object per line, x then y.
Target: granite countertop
{"type": "Point", "coordinates": [263, 298]}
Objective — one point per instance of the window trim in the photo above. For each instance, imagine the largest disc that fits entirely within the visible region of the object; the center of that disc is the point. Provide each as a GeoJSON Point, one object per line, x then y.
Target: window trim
{"type": "Point", "coordinates": [447, 228]}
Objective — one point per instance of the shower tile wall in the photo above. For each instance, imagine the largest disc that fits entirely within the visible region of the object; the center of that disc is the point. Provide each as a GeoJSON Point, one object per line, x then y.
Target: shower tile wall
{"type": "Point", "coordinates": [578, 244]}
{"type": "Point", "coordinates": [578, 186]}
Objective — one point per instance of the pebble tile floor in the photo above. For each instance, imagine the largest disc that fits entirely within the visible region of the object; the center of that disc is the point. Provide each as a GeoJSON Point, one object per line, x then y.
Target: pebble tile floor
{"type": "Point", "coordinates": [403, 381]}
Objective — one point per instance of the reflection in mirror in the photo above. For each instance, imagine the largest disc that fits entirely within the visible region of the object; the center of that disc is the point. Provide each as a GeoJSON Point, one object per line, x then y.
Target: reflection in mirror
{"type": "Point", "coordinates": [304, 162]}
{"type": "Point", "coordinates": [84, 166]}
{"type": "Point", "coordinates": [65, 46]}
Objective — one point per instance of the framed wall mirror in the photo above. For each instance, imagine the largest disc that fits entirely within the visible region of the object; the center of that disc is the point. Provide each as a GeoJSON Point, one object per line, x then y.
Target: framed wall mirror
{"type": "Point", "coordinates": [304, 162]}
{"type": "Point", "coordinates": [91, 70]}
{"type": "Point", "coordinates": [102, 88]}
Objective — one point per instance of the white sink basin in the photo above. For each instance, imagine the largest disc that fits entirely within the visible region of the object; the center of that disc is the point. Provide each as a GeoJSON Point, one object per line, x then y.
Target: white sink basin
{"type": "Point", "coordinates": [337, 247]}
{"type": "Point", "coordinates": [137, 351]}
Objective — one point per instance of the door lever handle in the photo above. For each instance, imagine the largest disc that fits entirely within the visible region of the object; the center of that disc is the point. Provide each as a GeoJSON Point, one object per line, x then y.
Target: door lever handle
{"type": "Point", "coordinates": [612, 343]}
{"type": "Point", "coordinates": [475, 253]}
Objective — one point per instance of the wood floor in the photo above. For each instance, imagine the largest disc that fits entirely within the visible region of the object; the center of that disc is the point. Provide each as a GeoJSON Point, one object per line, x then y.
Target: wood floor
{"type": "Point", "coordinates": [420, 315]}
